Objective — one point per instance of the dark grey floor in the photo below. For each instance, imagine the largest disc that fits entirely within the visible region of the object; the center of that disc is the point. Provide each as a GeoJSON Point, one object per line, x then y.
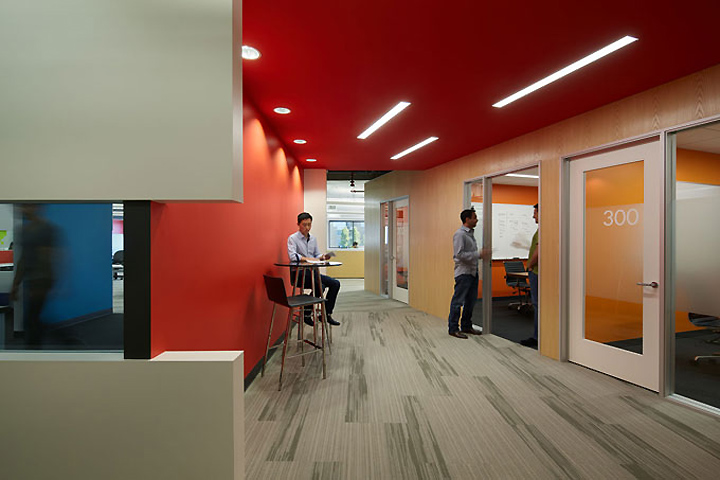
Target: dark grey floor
{"type": "Point", "coordinates": [509, 322]}
{"type": "Point", "coordinates": [697, 380]}
{"type": "Point", "coordinates": [98, 334]}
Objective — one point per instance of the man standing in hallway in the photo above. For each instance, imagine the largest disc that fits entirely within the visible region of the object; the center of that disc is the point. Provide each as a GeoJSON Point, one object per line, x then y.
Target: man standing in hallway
{"type": "Point", "coordinates": [532, 269]}
{"type": "Point", "coordinates": [302, 247]}
{"type": "Point", "coordinates": [36, 269]}
{"type": "Point", "coordinates": [465, 256]}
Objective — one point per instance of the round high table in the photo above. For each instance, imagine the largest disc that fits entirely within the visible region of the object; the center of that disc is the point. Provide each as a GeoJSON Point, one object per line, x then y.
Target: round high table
{"type": "Point", "coordinates": [299, 283]}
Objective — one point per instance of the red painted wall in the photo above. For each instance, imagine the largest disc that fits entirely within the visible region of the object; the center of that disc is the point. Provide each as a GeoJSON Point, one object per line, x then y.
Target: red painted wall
{"type": "Point", "coordinates": [208, 259]}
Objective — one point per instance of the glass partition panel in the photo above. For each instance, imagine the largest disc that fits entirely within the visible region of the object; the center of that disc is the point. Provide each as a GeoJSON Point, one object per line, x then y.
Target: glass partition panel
{"type": "Point", "coordinates": [614, 255]}
{"type": "Point", "coordinates": [384, 249]}
{"type": "Point", "coordinates": [402, 246]}
{"type": "Point", "coordinates": [61, 277]}
{"type": "Point", "coordinates": [697, 264]}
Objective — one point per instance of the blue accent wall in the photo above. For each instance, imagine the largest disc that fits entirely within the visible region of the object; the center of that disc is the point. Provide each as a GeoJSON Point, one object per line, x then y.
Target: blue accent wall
{"type": "Point", "coordinates": [84, 284]}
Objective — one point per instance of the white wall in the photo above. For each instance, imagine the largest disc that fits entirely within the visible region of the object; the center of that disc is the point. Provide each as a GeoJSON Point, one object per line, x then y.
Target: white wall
{"type": "Point", "coordinates": [315, 183]}
{"type": "Point", "coordinates": [121, 100]}
{"type": "Point", "coordinates": [88, 416]}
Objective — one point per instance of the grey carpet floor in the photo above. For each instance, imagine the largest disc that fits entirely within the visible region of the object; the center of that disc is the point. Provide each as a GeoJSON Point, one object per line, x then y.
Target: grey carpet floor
{"type": "Point", "coordinates": [403, 400]}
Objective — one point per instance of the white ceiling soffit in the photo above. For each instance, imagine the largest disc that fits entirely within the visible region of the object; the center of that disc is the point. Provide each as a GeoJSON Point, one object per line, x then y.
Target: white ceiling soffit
{"type": "Point", "coordinates": [341, 189]}
{"type": "Point", "coordinates": [701, 139]}
{"type": "Point", "coordinates": [521, 181]}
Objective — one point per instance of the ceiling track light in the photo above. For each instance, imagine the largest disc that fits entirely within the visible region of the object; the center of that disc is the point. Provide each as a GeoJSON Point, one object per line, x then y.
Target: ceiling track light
{"type": "Point", "coordinates": [414, 147]}
{"type": "Point", "coordinates": [384, 119]}
{"type": "Point", "coordinates": [617, 45]}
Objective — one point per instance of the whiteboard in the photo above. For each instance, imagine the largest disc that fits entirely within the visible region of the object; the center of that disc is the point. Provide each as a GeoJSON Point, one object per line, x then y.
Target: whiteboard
{"type": "Point", "coordinates": [513, 227]}
{"type": "Point", "coordinates": [696, 235]}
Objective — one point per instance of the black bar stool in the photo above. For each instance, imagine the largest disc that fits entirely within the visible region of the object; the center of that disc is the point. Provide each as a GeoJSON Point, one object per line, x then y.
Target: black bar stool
{"type": "Point", "coordinates": [277, 294]}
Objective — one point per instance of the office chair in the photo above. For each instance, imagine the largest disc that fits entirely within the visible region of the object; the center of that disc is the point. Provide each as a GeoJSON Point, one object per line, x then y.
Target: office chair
{"type": "Point", "coordinates": [519, 284]}
{"type": "Point", "coordinates": [711, 323]}
{"type": "Point", "coordinates": [118, 264]}
{"type": "Point", "coordinates": [275, 288]}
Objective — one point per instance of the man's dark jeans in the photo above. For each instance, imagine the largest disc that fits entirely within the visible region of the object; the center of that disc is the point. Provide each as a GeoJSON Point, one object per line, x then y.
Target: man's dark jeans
{"type": "Point", "coordinates": [465, 296]}
{"type": "Point", "coordinates": [333, 286]}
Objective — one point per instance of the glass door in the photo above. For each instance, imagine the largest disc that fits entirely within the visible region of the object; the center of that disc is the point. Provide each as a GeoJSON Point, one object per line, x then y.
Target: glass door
{"type": "Point", "coordinates": [384, 248]}
{"type": "Point", "coordinates": [615, 232]}
{"type": "Point", "coordinates": [401, 250]}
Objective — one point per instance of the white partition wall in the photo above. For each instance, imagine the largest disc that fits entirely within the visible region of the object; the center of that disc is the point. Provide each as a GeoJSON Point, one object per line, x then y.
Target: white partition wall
{"type": "Point", "coordinates": [91, 416]}
{"type": "Point", "coordinates": [315, 191]}
{"type": "Point", "coordinates": [121, 100]}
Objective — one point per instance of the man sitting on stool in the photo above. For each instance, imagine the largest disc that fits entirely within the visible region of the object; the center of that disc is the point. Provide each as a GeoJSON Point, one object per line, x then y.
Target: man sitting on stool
{"type": "Point", "coordinates": [303, 247]}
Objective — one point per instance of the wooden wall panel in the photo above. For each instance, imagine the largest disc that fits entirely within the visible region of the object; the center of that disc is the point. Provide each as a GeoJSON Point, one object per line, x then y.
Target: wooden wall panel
{"type": "Point", "coordinates": [436, 195]}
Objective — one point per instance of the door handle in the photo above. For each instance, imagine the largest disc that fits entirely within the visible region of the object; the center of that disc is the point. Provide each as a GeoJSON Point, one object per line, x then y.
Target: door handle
{"type": "Point", "coordinates": [651, 284]}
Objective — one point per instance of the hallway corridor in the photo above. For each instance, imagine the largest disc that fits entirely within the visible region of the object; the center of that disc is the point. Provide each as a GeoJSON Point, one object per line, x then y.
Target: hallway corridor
{"type": "Point", "coordinates": [403, 400]}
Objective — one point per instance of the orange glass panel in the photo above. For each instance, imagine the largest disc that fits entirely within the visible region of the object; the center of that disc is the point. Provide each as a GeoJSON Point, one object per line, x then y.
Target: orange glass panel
{"type": "Point", "coordinates": [401, 253]}
{"type": "Point", "coordinates": [614, 255]}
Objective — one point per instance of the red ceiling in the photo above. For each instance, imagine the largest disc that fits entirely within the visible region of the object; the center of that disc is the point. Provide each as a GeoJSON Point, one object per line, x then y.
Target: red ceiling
{"type": "Point", "coordinates": [341, 64]}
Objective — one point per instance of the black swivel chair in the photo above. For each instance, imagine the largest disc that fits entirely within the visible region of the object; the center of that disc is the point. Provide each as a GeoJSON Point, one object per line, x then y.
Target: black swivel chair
{"type": "Point", "coordinates": [519, 284]}
{"type": "Point", "coordinates": [711, 323]}
{"type": "Point", "coordinates": [276, 293]}
{"type": "Point", "coordinates": [118, 262]}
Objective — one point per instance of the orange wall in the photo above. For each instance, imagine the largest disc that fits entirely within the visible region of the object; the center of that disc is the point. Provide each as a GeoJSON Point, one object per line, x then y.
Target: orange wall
{"type": "Point", "coordinates": [208, 259]}
{"type": "Point", "coordinates": [698, 167]}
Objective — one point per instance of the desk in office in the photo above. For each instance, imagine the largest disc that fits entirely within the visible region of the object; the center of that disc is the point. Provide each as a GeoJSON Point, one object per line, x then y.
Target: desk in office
{"type": "Point", "coordinates": [6, 266]}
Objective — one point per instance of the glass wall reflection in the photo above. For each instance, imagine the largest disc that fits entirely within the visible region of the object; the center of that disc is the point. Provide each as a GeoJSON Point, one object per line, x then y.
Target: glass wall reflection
{"type": "Point", "coordinates": [61, 277]}
{"type": "Point", "coordinates": [697, 264]}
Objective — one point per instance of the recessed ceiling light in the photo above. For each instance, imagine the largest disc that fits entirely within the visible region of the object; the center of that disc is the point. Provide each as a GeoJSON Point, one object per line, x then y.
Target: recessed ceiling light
{"type": "Point", "coordinates": [300, 141]}
{"type": "Point", "coordinates": [281, 110]}
{"type": "Point", "coordinates": [311, 160]}
{"type": "Point", "coordinates": [521, 175]}
{"type": "Point", "coordinates": [413, 148]}
{"type": "Point", "coordinates": [384, 119]}
{"type": "Point", "coordinates": [617, 45]}
{"type": "Point", "coordinates": [250, 53]}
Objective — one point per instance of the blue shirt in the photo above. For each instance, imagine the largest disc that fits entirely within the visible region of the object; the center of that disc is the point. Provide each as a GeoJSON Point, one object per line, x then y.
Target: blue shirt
{"type": "Point", "coordinates": [298, 246]}
{"type": "Point", "coordinates": [465, 252]}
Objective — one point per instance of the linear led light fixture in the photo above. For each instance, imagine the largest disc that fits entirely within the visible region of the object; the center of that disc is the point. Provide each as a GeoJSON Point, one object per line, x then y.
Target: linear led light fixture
{"type": "Point", "coordinates": [413, 148]}
{"type": "Point", "coordinates": [617, 45]}
{"type": "Point", "coordinates": [521, 175]}
{"type": "Point", "coordinates": [384, 119]}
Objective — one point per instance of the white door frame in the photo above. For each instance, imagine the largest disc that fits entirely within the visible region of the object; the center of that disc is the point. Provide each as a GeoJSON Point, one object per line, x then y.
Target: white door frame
{"type": "Point", "coordinates": [659, 383]}
{"type": "Point", "coordinates": [395, 292]}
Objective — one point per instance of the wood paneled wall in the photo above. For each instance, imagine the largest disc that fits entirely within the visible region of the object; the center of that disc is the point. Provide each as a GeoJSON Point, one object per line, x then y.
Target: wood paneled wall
{"type": "Point", "coordinates": [436, 195]}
